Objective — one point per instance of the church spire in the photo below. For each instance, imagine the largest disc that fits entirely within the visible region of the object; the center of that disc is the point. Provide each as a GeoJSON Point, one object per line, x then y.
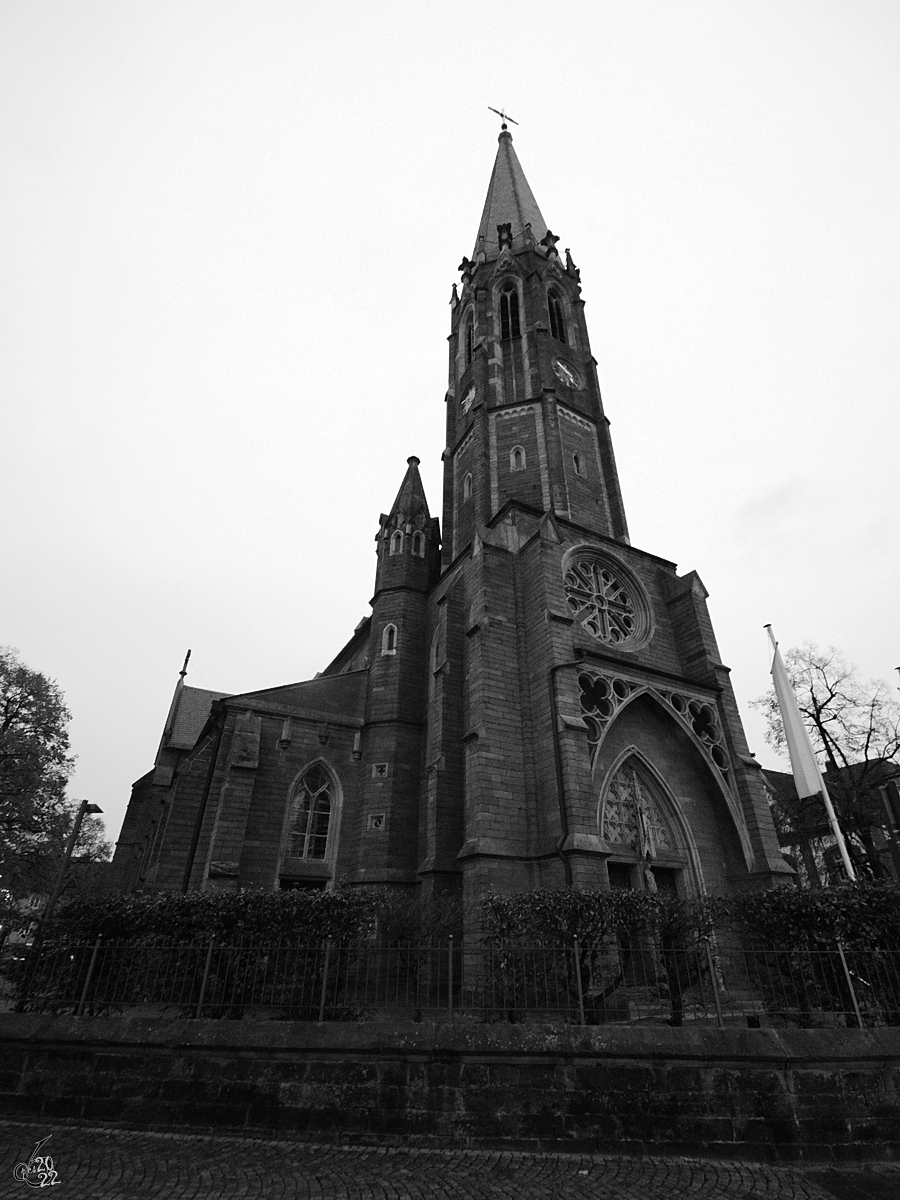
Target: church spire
{"type": "Point", "coordinates": [510, 202]}
{"type": "Point", "coordinates": [408, 539]}
{"type": "Point", "coordinates": [410, 502]}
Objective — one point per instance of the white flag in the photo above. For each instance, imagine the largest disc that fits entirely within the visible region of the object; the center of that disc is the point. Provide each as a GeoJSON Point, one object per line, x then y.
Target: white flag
{"type": "Point", "coordinates": [807, 778]}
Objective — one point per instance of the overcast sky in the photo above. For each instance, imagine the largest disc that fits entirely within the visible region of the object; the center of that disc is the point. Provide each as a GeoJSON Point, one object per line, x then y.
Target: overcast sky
{"type": "Point", "coordinates": [229, 234]}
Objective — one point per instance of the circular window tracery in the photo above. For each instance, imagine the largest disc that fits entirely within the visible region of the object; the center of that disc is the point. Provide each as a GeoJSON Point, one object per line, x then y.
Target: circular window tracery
{"type": "Point", "coordinates": [606, 599]}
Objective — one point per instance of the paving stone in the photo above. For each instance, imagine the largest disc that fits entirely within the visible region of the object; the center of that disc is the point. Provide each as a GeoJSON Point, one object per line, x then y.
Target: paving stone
{"type": "Point", "coordinates": [103, 1163]}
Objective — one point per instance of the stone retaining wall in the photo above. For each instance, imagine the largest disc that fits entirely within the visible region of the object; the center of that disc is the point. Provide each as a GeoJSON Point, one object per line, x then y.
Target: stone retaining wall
{"type": "Point", "coordinates": [752, 1093]}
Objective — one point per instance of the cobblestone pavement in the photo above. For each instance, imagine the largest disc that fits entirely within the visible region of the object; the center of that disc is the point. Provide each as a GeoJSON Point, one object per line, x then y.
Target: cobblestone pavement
{"type": "Point", "coordinates": [96, 1163]}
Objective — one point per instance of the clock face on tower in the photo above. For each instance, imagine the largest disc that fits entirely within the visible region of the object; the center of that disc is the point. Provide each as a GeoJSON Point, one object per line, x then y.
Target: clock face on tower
{"type": "Point", "coordinates": [567, 375]}
{"type": "Point", "coordinates": [468, 399]}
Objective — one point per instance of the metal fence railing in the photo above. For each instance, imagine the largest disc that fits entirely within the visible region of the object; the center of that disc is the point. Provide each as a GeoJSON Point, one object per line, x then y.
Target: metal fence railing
{"type": "Point", "coordinates": [623, 982]}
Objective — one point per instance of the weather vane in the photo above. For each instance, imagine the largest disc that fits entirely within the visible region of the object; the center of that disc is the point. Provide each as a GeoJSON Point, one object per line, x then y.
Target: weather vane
{"type": "Point", "coordinates": [502, 115]}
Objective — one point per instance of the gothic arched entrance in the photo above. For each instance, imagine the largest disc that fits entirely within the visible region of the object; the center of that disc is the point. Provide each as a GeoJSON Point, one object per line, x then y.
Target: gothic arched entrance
{"type": "Point", "coordinates": [640, 823]}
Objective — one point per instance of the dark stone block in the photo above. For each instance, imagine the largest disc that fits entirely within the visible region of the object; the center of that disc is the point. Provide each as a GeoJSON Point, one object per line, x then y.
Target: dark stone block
{"type": "Point", "coordinates": [239, 1093]}
{"type": "Point", "coordinates": [103, 1109]}
{"type": "Point", "coordinates": [62, 1106]}
{"type": "Point", "coordinates": [293, 1120]}
{"type": "Point", "coordinates": [760, 1130]}
{"type": "Point", "coordinates": [394, 1074]}
{"type": "Point", "coordinates": [216, 1116]}
{"type": "Point", "coordinates": [263, 1115]}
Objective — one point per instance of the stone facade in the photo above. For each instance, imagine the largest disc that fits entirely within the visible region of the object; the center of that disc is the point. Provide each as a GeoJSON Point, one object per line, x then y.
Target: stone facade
{"type": "Point", "coordinates": [533, 701]}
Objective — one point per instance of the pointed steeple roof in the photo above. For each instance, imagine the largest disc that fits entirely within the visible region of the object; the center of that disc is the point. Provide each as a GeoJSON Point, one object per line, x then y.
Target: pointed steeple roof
{"type": "Point", "coordinates": [510, 201]}
{"type": "Point", "coordinates": [411, 497]}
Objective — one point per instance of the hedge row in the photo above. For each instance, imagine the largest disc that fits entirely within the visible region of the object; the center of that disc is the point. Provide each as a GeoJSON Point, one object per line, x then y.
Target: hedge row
{"type": "Point", "coordinates": [858, 914]}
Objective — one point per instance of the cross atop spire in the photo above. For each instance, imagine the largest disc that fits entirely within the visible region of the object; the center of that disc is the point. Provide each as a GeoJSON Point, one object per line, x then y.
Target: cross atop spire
{"type": "Point", "coordinates": [510, 201]}
{"type": "Point", "coordinates": [504, 117]}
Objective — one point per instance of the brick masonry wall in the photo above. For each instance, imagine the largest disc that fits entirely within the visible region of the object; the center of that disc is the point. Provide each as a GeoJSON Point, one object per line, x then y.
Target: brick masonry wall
{"type": "Point", "coordinates": [757, 1094]}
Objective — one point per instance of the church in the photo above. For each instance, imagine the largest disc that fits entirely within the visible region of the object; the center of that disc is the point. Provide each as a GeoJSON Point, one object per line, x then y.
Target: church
{"type": "Point", "coordinates": [533, 702]}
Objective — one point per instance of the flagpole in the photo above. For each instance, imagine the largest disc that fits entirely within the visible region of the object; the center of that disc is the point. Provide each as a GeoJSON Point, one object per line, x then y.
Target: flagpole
{"type": "Point", "coordinates": [803, 758]}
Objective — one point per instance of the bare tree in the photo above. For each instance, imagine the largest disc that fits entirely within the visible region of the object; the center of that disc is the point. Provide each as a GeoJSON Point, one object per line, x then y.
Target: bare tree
{"type": "Point", "coordinates": [855, 729]}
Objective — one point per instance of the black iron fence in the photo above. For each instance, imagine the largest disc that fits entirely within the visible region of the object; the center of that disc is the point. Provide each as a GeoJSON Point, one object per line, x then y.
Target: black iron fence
{"type": "Point", "coordinates": [641, 982]}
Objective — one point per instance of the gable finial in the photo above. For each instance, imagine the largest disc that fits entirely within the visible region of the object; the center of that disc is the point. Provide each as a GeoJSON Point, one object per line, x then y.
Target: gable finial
{"type": "Point", "coordinates": [183, 670]}
{"type": "Point", "coordinates": [504, 117]}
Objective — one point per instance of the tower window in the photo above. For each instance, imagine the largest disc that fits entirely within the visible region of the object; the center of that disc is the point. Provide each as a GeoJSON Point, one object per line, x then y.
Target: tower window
{"type": "Point", "coordinates": [470, 338]}
{"type": "Point", "coordinates": [397, 541]}
{"type": "Point", "coordinates": [389, 640]}
{"type": "Point", "coordinates": [467, 487]}
{"type": "Point", "coordinates": [557, 316]}
{"type": "Point", "coordinates": [517, 459]}
{"type": "Point", "coordinates": [310, 815]}
{"type": "Point", "coordinates": [504, 236]}
{"type": "Point", "coordinates": [509, 313]}
{"type": "Point", "coordinates": [579, 465]}
{"type": "Point", "coordinates": [418, 543]}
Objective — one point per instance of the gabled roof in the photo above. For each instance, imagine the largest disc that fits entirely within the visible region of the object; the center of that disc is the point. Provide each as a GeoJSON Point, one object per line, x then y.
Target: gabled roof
{"type": "Point", "coordinates": [510, 201]}
{"type": "Point", "coordinates": [191, 709]}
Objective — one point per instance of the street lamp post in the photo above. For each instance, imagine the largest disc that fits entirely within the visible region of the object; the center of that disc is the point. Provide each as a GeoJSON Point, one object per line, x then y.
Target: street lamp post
{"type": "Point", "coordinates": [84, 807]}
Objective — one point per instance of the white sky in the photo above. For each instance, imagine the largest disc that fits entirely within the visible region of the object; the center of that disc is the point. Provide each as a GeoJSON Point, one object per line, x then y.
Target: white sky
{"type": "Point", "coordinates": [229, 233]}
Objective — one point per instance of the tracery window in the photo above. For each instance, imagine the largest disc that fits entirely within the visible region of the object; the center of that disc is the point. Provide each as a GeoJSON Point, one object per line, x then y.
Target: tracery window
{"type": "Point", "coordinates": [600, 601]}
{"type": "Point", "coordinates": [632, 817]}
{"type": "Point", "coordinates": [557, 316]}
{"type": "Point", "coordinates": [310, 815]}
{"type": "Point", "coordinates": [509, 313]}
{"type": "Point", "coordinates": [397, 541]}
{"type": "Point", "coordinates": [517, 459]}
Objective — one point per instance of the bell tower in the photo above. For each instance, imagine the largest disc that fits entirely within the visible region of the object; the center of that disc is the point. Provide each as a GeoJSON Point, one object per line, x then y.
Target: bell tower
{"type": "Point", "coordinates": [581, 724]}
{"type": "Point", "coordinates": [525, 421]}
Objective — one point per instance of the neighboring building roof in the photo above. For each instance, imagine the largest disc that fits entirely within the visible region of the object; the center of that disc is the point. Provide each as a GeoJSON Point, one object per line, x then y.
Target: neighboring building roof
{"type": "Point", "coordinates": [510, 201]}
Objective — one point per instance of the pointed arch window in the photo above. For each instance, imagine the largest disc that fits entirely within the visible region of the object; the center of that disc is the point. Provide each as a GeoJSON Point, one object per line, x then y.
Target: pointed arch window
{"type": "Point", "coordinates": [509, 313]}
{"type": "Point", "coordinates": [467, 487]}
{"type": "Point", "coordinates": [470, 338]}
{"type": "Point", "coordinates": [578, 463]}
{"type": "Point", "coordinates": [389, 640]}
{"type": "Point", "coordinates": [557, 315]}
{"type": "Point", "coordinates": [310, 818]}
{"type": "Point", "coordinates": [517, 459]}
{"type": "Point", "coordinates": [418, 543]}
{"type": "Point", "coordinates": [632, 814]}
{"type": "Point", "coordinates": [397, 541]}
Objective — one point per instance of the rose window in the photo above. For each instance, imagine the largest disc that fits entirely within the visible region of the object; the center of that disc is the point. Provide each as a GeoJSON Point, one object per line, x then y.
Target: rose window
{"type": "Point", "coordinates": [601, 602]}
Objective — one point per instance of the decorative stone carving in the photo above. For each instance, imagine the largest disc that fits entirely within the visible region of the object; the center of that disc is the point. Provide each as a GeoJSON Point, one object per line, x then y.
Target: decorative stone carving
{"type": "Point", "coordinates": [701, 718]}
{"type": "Point", "coordinates": [631, 816]}
{"type": "Point", "coordinates": [601, 698]}
{"type": "Point", "coordinates": [606, 598]}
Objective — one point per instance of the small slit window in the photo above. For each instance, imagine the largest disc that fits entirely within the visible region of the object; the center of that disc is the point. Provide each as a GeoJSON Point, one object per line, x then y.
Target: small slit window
{"type": "Point", "coordinates": [397, 541]}
{"type": "Point", "coordinates": [418, 544]}
{"type": "Point", "coordinates": [579, 464]}
{"type": "Point", "coordinates": [470, 339]}
{"type": "Point", "coordinates": [517, 459]}
{"type": "Point", "coordinates": [557, 316]}
{"type": "Point", "coordinates": [509, 314]}
{"type": "Point", "coordinates": [467, 487]}
{"type": "Point", "coordinates": [389, 640]}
